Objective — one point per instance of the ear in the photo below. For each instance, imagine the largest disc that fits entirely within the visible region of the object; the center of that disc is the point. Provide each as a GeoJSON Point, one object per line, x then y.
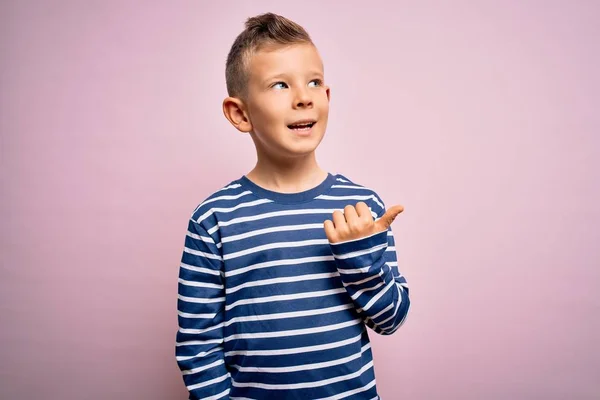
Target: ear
{"type": "Point", "coordinates": [235, 112]}
{"type": "Point", "coordinates": [328, 91]}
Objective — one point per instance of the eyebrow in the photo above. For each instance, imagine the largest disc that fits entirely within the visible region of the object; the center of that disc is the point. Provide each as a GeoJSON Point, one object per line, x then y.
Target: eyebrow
{"type": "Point", "coordinates": [273, 77]}
{"type": "Point", "coordinates": [284, 75]}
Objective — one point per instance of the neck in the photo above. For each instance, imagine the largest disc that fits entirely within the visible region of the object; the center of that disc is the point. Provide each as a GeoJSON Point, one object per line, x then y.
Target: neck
{"type": "Point", "coordinates": [287, 175]}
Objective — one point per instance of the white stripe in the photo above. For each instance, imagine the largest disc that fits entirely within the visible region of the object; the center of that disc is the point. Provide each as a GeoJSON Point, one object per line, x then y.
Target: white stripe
{"type": "Point", "coordinates": [201, 354]}
{"type": "Point", "coordinates": [389, 307]}
{"type": "Point", "coordinates": [278, 263]}
{"type": "Point", "coordinates": [201, 299]}
{"type": "Point", "coordinates": [200, 269]}
{"type": "Point", "coordinates": [276, 245]}
{"type": "Point", "coordinates": [203, 238]}
{"type": "Point", "coordinates": [391, 317]}
{"type": "Point", "coordinates": [380, 204]}
{"type": "Point", "coordinates": [295, 278]}
{"type": "Point", "coordinates": [270, 230]}
{"type": "Point", "coordinates": [363, 280]}
{"type": "Point", "coordinates": [202, 254]}
{"type": "Point", "coordinates": [351, 392]}
{"type": "Point", "coordinates": [294, 350]}
{"type": "Point", "coordinates": [198, 342]}
{"type": "Point", "coordinates": [227, 197]}
{"type": "Point", "coordinates": [218, 396]}
{"type": "Point", "coordinates": [401, 321]}
{"type": "Point", "coordinates": [293, 332]}
{"type": "Point", "coordinates": [208, 383]}
{"type": "Point", "coordinates": [200, 331]}
{"type": "Point", "coordinates": [291, 314]}
{"type": "Point", "coordinates": [302, 385]}
{"type": "Point", "coordinates": [282, 297]}
{"type": "Point", "coordinates": [372, 319]}
{"type": "Point", "coordinates": [350, 187]}
{"type": "Point", "coordinates": [188, 315]}
{"type": "Point", "coordinates": [342, 180]}
{"type": "Point", "coordinates": [378, 295]}
{"type": "Point", "coordinates": [347, 197]}
{"type": "Point", "coordinates": [351, 197]}
{"type": "Point", "coordinates": [362, 270]}
{"type": "Point", "coordinates": [357, 294]}
{"type": "Point", "coordinates": [360, 252]}
{"type": "Point", "coordinates": [232, 186]}
{"type": "Point", "coordinates": [230, 209]}
{"type": "Point", "coordinates": [279, 214]}
{"type": "Point", "coordinates": [202, 368]}
{"type": "Point", "coordinates": [304, 367]}
{"type": "Point", "coordinates": [400, 289]}
{"type": "Point", "coordinates": [200, 284]}
{"type": "Point", "coordinates": [199, 237]}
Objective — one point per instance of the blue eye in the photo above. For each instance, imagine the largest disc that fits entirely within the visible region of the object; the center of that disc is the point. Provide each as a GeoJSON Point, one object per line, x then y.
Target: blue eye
{"type": "Point", "coordinates": [279, 85]}
{"type": "Point", "coordinates": [317, 82]}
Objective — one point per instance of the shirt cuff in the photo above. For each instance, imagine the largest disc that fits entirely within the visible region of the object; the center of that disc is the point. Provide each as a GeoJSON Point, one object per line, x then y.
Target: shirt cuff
{"type": "Point", "coordinates": [362, 252]}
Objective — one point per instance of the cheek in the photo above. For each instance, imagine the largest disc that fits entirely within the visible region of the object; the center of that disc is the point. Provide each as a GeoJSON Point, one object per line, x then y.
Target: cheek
{"type": "Point", "coordinates": [323, 100]}
{"type": "Point", "coordinates": [274, 109]}
{"type": "Point", "coordinates": [324, 108]}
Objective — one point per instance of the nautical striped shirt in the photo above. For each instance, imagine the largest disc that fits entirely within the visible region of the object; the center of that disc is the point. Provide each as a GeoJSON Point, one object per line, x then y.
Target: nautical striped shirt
{"type": "Point", "coordinates": [269, 309]}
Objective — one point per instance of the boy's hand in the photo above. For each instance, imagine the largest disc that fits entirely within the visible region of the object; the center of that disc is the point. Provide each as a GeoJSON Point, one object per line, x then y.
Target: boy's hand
{"type": "Point", "coordinates": [356, 223]}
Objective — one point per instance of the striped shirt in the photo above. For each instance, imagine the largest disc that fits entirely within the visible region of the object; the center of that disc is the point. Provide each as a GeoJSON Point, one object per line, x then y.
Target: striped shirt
{"type": "Point", "coordinates": [269, 309]}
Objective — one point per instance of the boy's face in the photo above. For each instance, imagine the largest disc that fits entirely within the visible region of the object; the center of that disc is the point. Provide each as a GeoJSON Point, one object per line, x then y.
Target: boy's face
{"type": "Point", "coordinates": [287, 100]}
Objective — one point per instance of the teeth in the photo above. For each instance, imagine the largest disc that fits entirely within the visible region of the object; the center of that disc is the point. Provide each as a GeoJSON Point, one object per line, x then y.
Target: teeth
{"type": "Point", "coordinates": [302, 126]}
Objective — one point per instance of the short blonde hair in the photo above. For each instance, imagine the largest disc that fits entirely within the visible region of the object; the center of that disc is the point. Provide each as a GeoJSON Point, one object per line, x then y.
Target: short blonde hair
{"type": "Point", "coordinates": [261, 31]}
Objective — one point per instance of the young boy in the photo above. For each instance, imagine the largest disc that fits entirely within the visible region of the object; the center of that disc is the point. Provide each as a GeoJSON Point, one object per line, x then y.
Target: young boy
{"type": "Point", "coordinates": [284, 267]}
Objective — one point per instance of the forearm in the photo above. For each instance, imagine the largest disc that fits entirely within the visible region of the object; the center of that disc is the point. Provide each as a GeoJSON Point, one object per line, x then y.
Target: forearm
{"type": "Point", "coordinates": [369, 272]}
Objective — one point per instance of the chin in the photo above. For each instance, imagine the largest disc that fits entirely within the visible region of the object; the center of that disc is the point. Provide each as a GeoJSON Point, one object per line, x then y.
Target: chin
{"type": "Point", "coordinates": [299, 149]}
{"type": "Point", "coordinates": [305, 150]}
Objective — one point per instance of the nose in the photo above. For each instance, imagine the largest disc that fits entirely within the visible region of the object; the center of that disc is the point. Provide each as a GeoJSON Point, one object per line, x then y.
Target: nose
{"type": "Point", "coordinates": [303, 99]}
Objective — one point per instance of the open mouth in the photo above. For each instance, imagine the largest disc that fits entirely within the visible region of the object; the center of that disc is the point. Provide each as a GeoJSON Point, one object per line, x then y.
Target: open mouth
{"type": "Point", "coordinates": [301, 126]}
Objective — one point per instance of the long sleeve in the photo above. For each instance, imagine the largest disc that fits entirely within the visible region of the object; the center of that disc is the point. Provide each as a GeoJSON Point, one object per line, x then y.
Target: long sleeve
{"type": "Point", "coordinates": [200, 305]}
{"type": "Point", "coordinates": [368, 268]}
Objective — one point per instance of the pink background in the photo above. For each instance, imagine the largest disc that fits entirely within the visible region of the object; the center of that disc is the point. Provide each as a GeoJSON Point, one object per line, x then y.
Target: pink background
{"type": "Point", "coordinates": [485, 115]}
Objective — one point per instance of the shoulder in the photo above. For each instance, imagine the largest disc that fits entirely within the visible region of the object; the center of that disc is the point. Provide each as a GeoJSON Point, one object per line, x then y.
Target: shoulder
{"type": "Point", "coordinates": [344, 186]}
{"type": "Point", "coordinates": [226, 196]}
